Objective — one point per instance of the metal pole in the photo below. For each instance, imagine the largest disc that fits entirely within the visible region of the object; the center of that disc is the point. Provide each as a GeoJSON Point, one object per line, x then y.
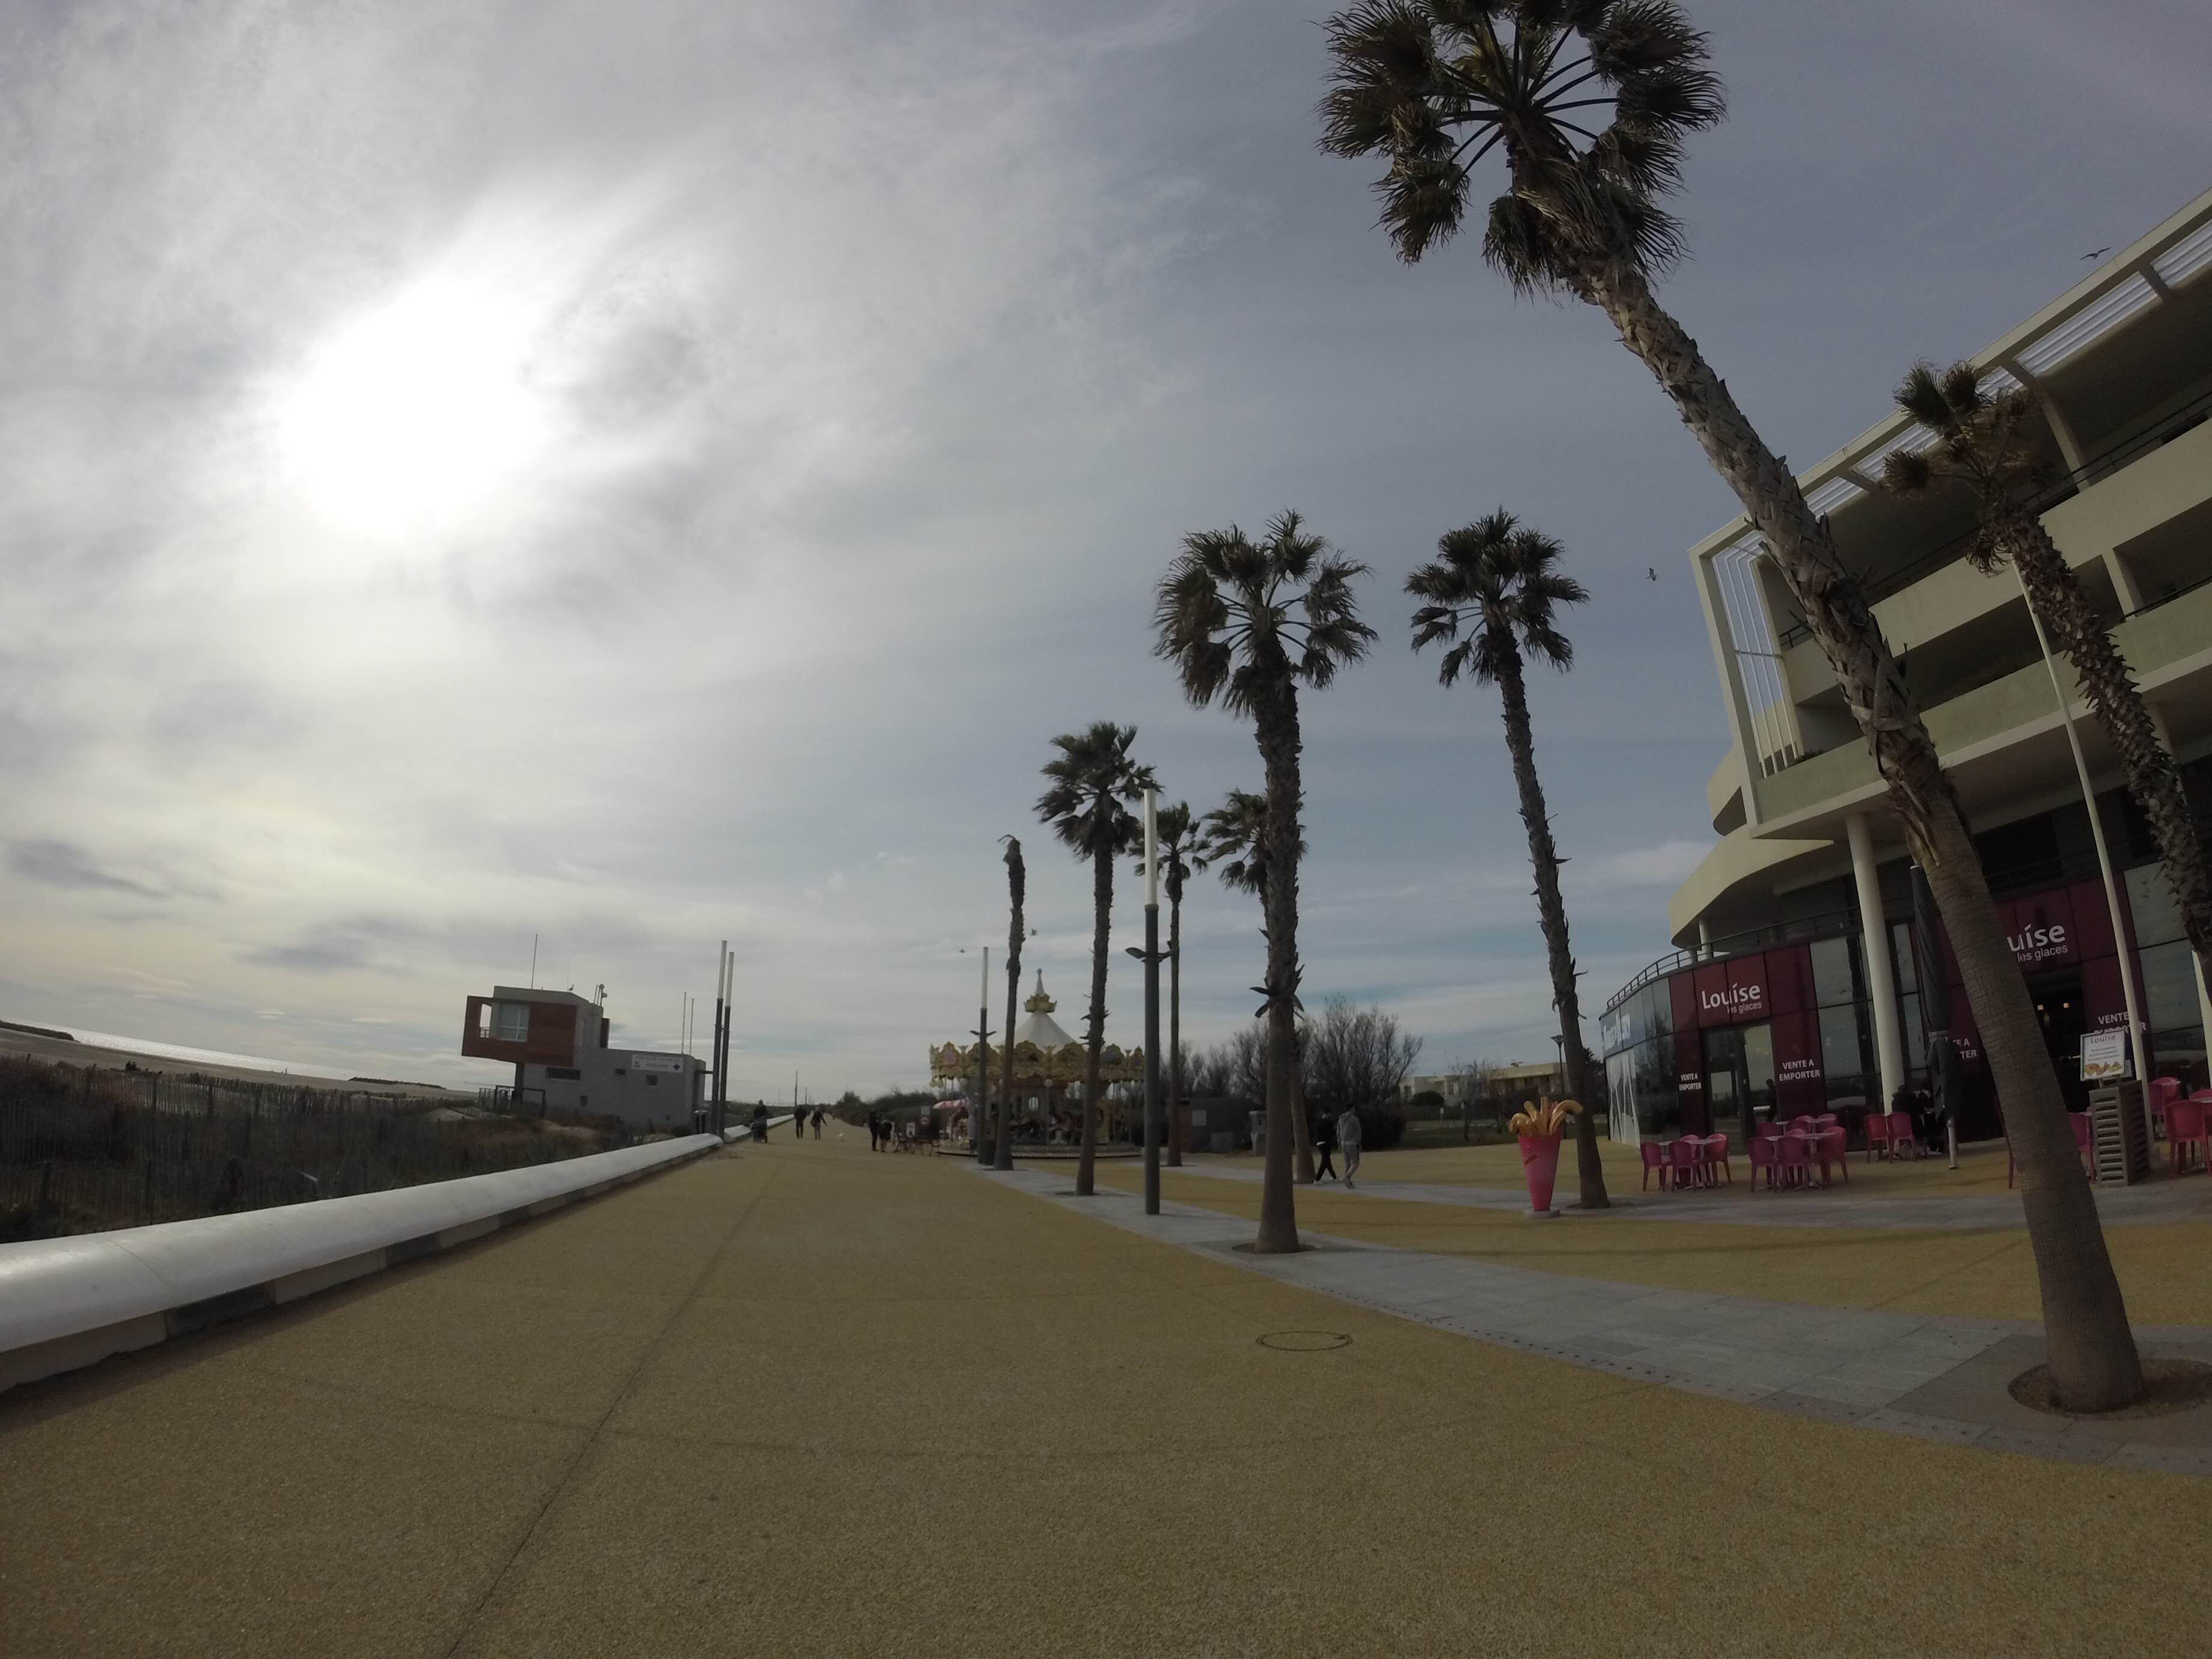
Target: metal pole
{"type": "Point", "coordinates": [1152, 1003]}
{"type": "Point", "coordinates": [975, 1107]}
{"type": "Point", "coordinates": [2104, 857]}
{"type": "Point", "coordinates": [716, 1058]}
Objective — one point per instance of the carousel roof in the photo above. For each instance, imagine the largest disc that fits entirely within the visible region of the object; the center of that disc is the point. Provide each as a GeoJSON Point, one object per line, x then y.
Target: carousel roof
{"type": "Point", "coordinates": [1040, 1027]}
{"type": "Point", "coordinates": [1043, 1052]}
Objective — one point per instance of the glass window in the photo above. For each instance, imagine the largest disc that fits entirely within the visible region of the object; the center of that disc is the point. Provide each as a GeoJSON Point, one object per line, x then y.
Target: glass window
{"type": "Point", "coordinates": [2158, 918]}
{"type": "Point", "coordinates": [1835, 971]}
{"type": "Point", "coordinates": [1658, 1108]}
{"type": "Point", "coordinates": [1900, 952]}
{"type": "Point", "coordinates": [2169, 986]}
{"type": "Point", "coordinates": [1842, 1043]}
{"type": "Point", "coordinates": [511, 1022]}
{"type": "Point", "coordinates": [1915, 1035]}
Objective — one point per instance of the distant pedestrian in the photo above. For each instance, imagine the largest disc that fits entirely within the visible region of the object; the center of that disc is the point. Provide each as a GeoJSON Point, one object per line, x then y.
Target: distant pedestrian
{"type": "Point", "coordinates": [1323, 1140]}
{"type": "Point", "coordinates": [1347, 1139]}
{"type": "Point", "coordinates": [817, 1123]}
{"type": "Point", "coordinates": [759, 1123]}
{"type": "Point", "coordinates": [799, 1123]}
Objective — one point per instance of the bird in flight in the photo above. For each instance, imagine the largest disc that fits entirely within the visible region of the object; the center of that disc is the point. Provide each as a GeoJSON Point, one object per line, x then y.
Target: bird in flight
{"type": "Point", "coordinates": [1651, 572]}
{"type": "Point", "coordinates": [2098, 254]}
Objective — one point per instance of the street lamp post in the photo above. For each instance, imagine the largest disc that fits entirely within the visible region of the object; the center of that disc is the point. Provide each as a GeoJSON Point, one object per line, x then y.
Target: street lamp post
{"type": "Point", "coordinates": [2120, 936]}
{"type": "Point", "coordinates": [1151, 955]}
{"type": "Point", "coordinates": [975, 1107]}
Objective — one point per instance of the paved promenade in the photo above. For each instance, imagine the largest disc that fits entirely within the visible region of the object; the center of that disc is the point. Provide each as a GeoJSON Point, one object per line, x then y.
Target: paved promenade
{"type": "Point", "coordinates": [803, 1399]}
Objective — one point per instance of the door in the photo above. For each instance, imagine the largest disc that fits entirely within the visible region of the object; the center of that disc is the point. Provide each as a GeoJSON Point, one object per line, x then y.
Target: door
{"type": "Point", "coordinates": [1756, 1080]}
{"type": "Point", "coordinates": [2064, 1016]}
{"type": "Point", "coordinates": [1724, 1067]}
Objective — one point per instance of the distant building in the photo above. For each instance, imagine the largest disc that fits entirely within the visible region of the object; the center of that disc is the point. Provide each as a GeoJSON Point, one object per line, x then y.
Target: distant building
{"type": "Point", "coordinates": [1500, 1082]}
{"type": "Point", "coordinates": [556, 1042]}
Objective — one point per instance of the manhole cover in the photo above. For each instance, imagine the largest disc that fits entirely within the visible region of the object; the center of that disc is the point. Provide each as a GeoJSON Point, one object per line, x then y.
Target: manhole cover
{"type": "Point", "coordinates": [1305, 1341]}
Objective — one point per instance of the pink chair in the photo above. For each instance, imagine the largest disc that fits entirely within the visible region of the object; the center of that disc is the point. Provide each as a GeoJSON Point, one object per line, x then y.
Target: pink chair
{"type": "Point", "coordinates": [1796, 1160]}
{"type": "Point", "coordinates": [1904, 1141]}
{"type": "Point", "coordinates": [1824, 1120]}
{"type": "Point", "coordinates": [1769, 1130]}
{"type": "Point", "coordinates": [1764, 1152]}
{"type": "Point", "coordinates": [2085, 1141]}
{"type": "Point", "coordinates": [2186, 1130]}
{"type": "Point", "coordinates": [1800, 1123]}
{"type": "Point", "coordinates": [1654, 1158]}
{"type": "Point", "coordinates": [1877, 1134]}
{"type": "Point", "coordinates": [1716, 1158]}
{"type": "Point", "coordinates": [1682, 1161]}
{"type": "Point", "coordinates": [2163, 1092]}
{"type": "Point", "coordinates": [1831, 1144]}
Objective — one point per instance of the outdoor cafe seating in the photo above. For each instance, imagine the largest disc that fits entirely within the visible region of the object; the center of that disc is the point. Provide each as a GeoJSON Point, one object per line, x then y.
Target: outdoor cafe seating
{"type": "Point", "coordinates": [1808, 1152]}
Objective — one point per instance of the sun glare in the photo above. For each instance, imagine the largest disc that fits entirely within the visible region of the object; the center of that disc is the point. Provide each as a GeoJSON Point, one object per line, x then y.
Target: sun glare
{"type": "Point", "coordinates": [412, 415]}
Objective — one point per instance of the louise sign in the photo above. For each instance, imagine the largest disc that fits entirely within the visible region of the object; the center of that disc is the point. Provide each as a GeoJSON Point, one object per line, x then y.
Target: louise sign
{"type": "Point", "coordinates": [1735, 1001]}
{"type": "Point", "coordinates": [2041, 942]}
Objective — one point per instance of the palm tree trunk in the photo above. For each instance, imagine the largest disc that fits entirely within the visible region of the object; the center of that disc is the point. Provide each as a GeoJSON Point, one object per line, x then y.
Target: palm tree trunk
{"type": "Point", "coordinates": [1276, 722]}
{"type": "Point", "coordinates": [2153, 777]}
{"type": "Point", "coordinates": [1175, 1017]}
{"type": "Point", "coordinates": [1551, 912]}
{"type": "Point", "coordinates": [2094, 1366]}
{"type": "Point", "coordinates": [1003, 1155]}
{"type": "Point", "coordinates": [1102, 897]}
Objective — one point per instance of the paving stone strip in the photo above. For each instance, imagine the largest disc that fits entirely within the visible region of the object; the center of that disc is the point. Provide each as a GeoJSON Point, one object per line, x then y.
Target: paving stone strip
{"type": "Point", "coordinates": [1927, 1376]}
{"type": "Point", "coordinates": [2160, 1200]}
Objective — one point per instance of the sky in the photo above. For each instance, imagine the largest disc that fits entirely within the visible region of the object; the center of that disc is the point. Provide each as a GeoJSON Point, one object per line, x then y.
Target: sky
{"type": "Point", "coordinates": [634, 476]}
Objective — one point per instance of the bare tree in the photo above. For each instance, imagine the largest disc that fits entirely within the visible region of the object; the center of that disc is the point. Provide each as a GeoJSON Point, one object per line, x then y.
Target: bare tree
{"type": "Point", "coordinates": [1355, 1057]}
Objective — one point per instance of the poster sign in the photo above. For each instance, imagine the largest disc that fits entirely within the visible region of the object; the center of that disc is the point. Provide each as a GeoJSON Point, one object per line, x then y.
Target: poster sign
{"type": "Point", "coordinates": [656, 1062]}
{"type": "Point", "coordinates": [2103, 1055]}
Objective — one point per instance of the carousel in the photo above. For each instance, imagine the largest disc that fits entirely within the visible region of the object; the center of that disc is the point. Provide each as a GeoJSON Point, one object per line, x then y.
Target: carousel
{"type": "Point", "coordinates": [1047, 1076]}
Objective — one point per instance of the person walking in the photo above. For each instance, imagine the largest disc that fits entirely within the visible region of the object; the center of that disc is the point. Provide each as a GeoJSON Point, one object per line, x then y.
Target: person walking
{"type": "Point", "coordinates": [759, 1123]}
{"type": "Point", "coordinates": [875, 1134]}
{"type": "Point", "coordinates": [1323, 1140]}
{"type": "Point", "coordinates": [817, 1123]}
{"type": "Point", "coordinates": [1347, 1139]}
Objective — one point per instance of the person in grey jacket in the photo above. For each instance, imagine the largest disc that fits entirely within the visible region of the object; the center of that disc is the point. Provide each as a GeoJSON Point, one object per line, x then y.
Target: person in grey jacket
{"type": "Point", "coordinates": [1347, 1142]}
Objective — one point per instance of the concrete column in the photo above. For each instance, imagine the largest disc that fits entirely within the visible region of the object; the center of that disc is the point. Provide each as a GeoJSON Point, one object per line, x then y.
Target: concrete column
{"type": "Point", "coordinates": [1705, 940]}
{"type": "Point", "coordinates": [1881, 984]}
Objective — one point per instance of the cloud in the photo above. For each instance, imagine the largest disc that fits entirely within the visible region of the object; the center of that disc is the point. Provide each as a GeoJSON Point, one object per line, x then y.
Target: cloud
{"type": "Point", "coordinates": [866, 365]}
{"type": "Point", "coordinates": [65, 864]}
{"type": "Point", "coordinates": [1666, 864]}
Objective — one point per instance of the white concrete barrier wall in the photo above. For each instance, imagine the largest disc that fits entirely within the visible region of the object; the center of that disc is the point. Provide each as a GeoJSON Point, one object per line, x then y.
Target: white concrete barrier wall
{"type": "Point", "coordinates": [70, 1302]}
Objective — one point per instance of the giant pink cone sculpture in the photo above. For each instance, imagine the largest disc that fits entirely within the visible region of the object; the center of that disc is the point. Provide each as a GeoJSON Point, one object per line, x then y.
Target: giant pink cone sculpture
{"type": "Point", "coordinates": [1540, 1163]}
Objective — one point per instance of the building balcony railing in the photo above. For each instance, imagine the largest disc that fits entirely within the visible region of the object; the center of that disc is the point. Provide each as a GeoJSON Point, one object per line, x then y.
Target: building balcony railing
{"type": "Point", "coordinates": [2061, 488]}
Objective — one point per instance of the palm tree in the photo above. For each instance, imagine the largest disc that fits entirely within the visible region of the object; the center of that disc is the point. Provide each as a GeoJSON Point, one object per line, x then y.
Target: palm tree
{"type": "Point", "coordinates": [1435, 86]}
{"type": "Point", "coordinates": [1173, 826]}
{"type": "Point", "coordinates": [1981, 442]}
{"type": "Point", "coordinates": [1247, 623]}
{"type": "Point", "coordinates": [1092, 780]}
{"type": "Point", "coordinates": [1493, 594]}
{"type": "Point", "coordinates": [1017, 884]}
{"type": "Point", "coordinates": [1232, 839]}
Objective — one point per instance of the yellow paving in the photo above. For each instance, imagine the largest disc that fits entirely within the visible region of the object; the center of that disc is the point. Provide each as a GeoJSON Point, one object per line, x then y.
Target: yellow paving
{"type": "Point", "coordinates": [2165, 1268]}
{"type": "Point", "coordinates": [807, 1399]}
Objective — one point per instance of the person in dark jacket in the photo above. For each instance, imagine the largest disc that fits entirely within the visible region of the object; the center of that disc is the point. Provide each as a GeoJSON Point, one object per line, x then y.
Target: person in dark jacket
{"type": "Point", "coordinates": [817, 1123]}
{"type": "Point", "coordinates": [1324, 1141]}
